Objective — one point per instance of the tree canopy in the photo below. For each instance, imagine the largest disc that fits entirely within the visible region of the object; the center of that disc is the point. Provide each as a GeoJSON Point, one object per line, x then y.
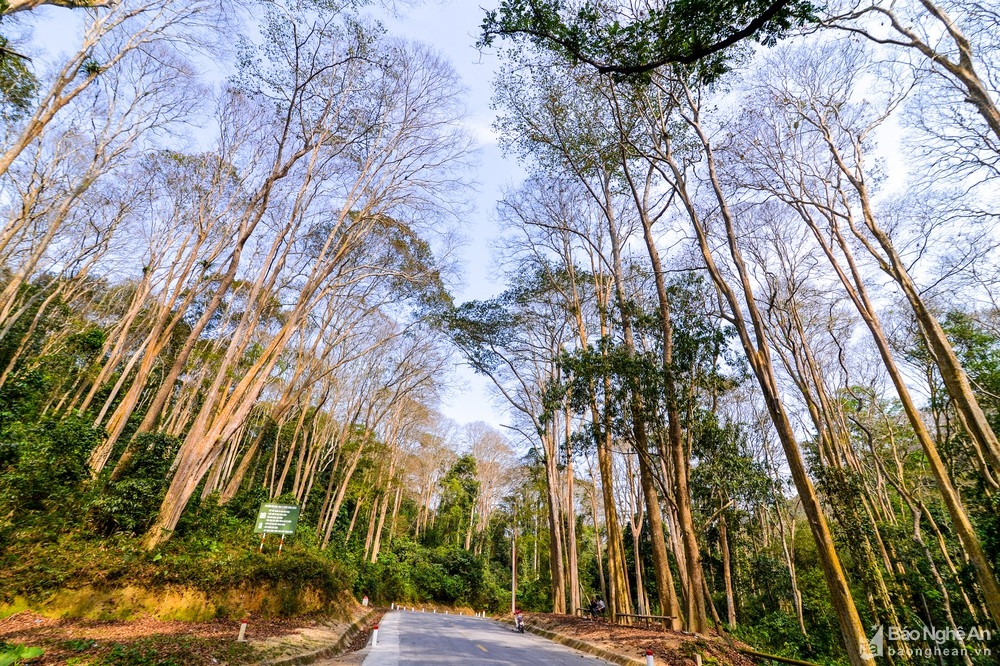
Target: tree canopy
{"type": "Point", "coordinates": [634, 40]}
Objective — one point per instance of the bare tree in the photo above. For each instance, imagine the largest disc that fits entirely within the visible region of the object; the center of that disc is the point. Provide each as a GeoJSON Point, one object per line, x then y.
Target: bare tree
{"type": "Point", "coordinates": [822, 200]}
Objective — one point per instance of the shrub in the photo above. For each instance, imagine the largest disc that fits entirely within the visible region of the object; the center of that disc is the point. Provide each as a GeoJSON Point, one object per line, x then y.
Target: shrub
{"type": "Point", "coordinates": [46, 462]}
{"type": "Point", "coordinates": [130, 503]}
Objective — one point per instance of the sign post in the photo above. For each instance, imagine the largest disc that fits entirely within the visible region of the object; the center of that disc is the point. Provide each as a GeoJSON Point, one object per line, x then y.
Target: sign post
{"type": "Point", "coordinates": [276, 519]}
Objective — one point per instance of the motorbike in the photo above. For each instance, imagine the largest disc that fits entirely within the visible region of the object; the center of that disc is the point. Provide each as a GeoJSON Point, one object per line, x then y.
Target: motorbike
{"type": "Point", "coordinates": [519, 622]}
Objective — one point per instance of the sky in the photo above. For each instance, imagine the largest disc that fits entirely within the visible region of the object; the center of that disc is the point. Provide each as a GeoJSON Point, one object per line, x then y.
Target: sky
{"type": "Point", "coordinates": [450, 27]}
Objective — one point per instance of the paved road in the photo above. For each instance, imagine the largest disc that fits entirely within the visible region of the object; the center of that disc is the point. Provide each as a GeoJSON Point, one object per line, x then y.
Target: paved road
{"type": "Point", "coordinates": [426, 639]}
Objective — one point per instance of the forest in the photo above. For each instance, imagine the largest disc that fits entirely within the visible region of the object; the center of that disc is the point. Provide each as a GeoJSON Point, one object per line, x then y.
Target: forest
{"type": "Point", "coordinates": [744, 332]}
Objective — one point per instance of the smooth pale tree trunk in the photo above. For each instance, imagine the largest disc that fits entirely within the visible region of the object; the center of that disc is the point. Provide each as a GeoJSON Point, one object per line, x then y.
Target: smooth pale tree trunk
{"type": "Point", "coordinates": [570, 513]}
{"type": "Point", "coordinates": [916, 515]}
{"type": "Point", "coordinates": [395, 514]}
{"type": "Point", "coordinates": [941, 54]}
{"type": "Point", "coordinates": [254, 211]}
{"type": "Point", "coordinates": [618, 598]}
{"type": "Point", "coordinates": [68, 84]}
{"type": "Point", "coordinates": [513, 568]}
{"type": "Point", "coordinates": [554, 502]}
{"type": "Point", "coordinates": [711, 604]}
{"type": "Point", "coordinates": [115, 345]}
{"type": "Point", "coordinates": [331, 517]}
{"type": "Point", "coordinates": [854, 285]}
{"type": "Point", "coordinates": [472, 522]}
{"type": "Point", "coordinates": [28, 334]}
{"type": "Point", "coordinates": [372, 520]}
{"type": "Point", "coordinates": [970, 413]}
{"type": "Point", "coordinates": [676, 547]}
{"type": "Point", "coordinates": [169, 313]}
{"type": "Point", "coordinates": [597, 537]}
{"type": "Point", "coordinates": [640, 588]}
{"type": "Point", "coordinates": [636, 510]}
{"type": "Point", "coordinates": [666, 593]}
{"type": "Point", "coordinates": [354, 519]}
{"type": "Point", "coordinates": [794, 347]}
{"type": "Point", "coordinates": [534, 545]}
{"type": "Point", "coordinates": [293, 446]}
{"type": "Point", "coordinates": [727, 571]}
{"type": "Point", "coordinates": [787, 543]}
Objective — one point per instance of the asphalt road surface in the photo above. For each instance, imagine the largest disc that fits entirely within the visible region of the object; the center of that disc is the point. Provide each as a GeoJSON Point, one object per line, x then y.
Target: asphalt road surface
{"type": "Point", "coordinates": [407, 638]}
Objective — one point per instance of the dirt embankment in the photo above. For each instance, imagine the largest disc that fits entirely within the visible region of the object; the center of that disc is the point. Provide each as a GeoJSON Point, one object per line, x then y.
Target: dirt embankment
{"type": "Point", "coordinates": [669, 647]}
{"type": "Point", "coordinates": [146, 639]}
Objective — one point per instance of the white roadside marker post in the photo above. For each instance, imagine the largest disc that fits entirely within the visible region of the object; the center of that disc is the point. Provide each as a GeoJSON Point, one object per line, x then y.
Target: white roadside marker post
{"type": "Point", "coordinates": [243, 631]}
{"type": "Point", "coordinates": [649, 658]}
{"type": "Point", "coordinates": [375, 636]}
{"type": "Point", "coordinates": [392, 606]}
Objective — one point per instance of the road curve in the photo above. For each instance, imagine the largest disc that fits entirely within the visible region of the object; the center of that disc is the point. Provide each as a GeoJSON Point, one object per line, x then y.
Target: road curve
{"type": "Point", "coordinates": [408, 638]}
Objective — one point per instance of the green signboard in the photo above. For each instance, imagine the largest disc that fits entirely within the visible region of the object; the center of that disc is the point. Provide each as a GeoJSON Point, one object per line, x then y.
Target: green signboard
{"type": "Point", "coordinates": [276, 519]}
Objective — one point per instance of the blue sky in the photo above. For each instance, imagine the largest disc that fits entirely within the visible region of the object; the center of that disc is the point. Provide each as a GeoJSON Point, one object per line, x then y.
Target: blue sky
{"type": "Point", "coordinates": [451, 27]}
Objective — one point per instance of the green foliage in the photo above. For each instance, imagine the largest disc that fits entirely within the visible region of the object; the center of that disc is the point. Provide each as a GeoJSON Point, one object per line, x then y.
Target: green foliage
{"type": "Point", "coordinates": [417, 278]}
{"type": "Point", "coordinates": [479, 329]}
{"type": "Point", "coordinates": [46, 463]}
{"type": "Point", "coordinates": [246, 503]}
{"type": "Point", "coordinates": [18, 84]}
{"type": "Point", "coordinates": [129, 504]}
{"type": "Point", "coordinates": [16, 654]}
{"type": "Point", "coordinates": [687, 32]}
{"type": "Point", "coordinates": [135, 655]}
{"type": "Point", "coordinates": [91, 67]}
{"type": "Point", "coordinates": [459, 489]}
{"type": "Point", "coordinates": [174, 651]}
{"type": "Point", "coordinates": [21, 397]}
{"type": "Point", "coordinates": [447, 574]}
{"type": "Point", "coordinates": [777, 632]}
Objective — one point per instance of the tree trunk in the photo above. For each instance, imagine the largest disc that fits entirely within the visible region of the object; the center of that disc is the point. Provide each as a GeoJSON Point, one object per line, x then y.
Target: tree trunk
{"type": "Point", "coordinates": [696, 619]}
{"type": "Point", "coordinates": [618, 600]}
{"type": "Point", "coordinates": [758, 356]}
{"type": "Point", "coordinates": [597, 539]}
{"type": "Point", "coordinates": [554, 502]}
{"type": "Point", "coordinates": [570, 513]}
{"type": "Point", "coordinates": [727, 571]}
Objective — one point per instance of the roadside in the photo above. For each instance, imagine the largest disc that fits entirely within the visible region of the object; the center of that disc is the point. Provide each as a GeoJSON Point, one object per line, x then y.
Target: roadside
{"type": "Point", "coordinates": [148, 640]}
{"type": "Point", "coordinates": [631, 642]}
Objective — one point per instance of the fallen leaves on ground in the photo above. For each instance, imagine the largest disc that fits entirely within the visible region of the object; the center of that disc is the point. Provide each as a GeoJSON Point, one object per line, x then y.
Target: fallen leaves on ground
{"type": "Point", "coordinates": [669, 647]}
{"type": "Point", "coordinates": [142, 640]}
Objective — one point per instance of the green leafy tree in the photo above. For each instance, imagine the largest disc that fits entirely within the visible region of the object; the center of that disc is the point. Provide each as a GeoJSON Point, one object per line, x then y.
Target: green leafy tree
{"type": "Point", "coordinates": [459, 490]}
{"type": "Point", "coordinates": [615, 40]}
